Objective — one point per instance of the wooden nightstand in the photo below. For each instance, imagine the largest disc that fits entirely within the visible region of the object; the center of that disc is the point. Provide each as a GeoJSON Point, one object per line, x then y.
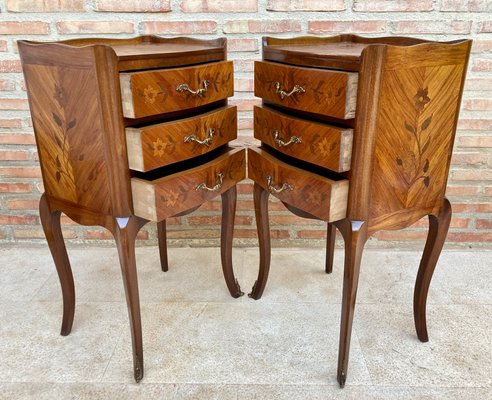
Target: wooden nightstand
{"type": "Point", "coordinates": [359, 133]}
{"type": "Point", "coordinates": [130, 131]}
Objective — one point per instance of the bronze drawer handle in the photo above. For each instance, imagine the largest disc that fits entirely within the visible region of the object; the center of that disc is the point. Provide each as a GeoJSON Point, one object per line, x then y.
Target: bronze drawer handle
{"type": "Point", "coordinates": [278, 189]}
{"type": "Point", "coordinates": [282, 94]}
{"type": "Point", "coordinates": [184, 87]}
{"type": "Point", "coordinates": [280, 143]}
{"type": "Point", "coordinates": [215, 188]}
{"type": "Point", "coordinates": [207, 141]}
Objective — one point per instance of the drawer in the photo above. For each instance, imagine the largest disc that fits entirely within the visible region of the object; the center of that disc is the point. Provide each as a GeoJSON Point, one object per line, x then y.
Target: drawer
{"type": "Point", "coordinates": [154, 146]}
{"type": "Point", "coordinates": [152, 92]}
{"type": "Point", "coordinates": [320, 91]}
{"type": "Point", "coordinates": [319, 196]}
{"type": "Point", "coordinates": [324, 145]}
{"type": "Point", "coordinates": [167, 196]}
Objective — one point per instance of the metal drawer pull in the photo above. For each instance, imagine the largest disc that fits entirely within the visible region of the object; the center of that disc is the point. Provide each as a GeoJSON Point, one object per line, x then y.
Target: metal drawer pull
{"type": "Point", "coordinates": [215, 188]}
{"type": "Point", "coordinates": [282, 94]}
{"type": "Point", "coordinates": [207, 141]}
{"type": "Point", "coordinates": [276, 189]}
{"type": "Point", "coordinates": [199, 92]}
{"type": "Point", "coordinates": [280, 143]}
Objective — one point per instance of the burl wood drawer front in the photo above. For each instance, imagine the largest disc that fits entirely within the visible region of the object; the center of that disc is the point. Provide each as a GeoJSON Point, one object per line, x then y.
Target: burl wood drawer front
{"type": "Point", "coordinates": [320, 91]}
{"type": "Point", "coordinates": [170, 195]}
{"type": "Point", "coordinates": [324, 145]}
{"type": "Point", "coordinates": [154, 146]}
{"type": "Point", "coordinates": [312, 193]}
{"type": "Point", "coordinates": [160, 91]}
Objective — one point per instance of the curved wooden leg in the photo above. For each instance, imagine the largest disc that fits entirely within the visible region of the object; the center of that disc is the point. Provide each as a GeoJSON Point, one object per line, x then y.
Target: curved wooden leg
{"type": "Point", "coordinates": [355, 235]}
{"type": "Point", "coordinates": [260, 197]}
{"type": "Point", "coordinates": [227, 231]}
{"type": "Point", "coordinates": [438, 229]}
{"type": "Point", "coordinates": [161, 237]}
{"type": "Point", "coordinates": [125, 231]}
{"type": "Point", "coordinates": [330, 247]}
{"type": "Point", "coordinates": [52, 230]}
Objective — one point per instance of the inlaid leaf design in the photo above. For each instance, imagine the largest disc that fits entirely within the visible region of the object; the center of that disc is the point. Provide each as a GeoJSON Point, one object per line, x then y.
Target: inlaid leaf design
{"type": "Point", "coordinates": [426, 123]}
{"type": "Point", "coordinates": [409, 127]}
{"type": "Point", "coordinates": [57, 119]}
{"type": "Point", "coordinates": [72, 124]}
{"type": "Point", "coordinates": [426, 181]}
{"type": "Point", "coordinates": [426, 165]}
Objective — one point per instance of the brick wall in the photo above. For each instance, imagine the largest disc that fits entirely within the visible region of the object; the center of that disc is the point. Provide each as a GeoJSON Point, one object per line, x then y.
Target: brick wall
{"type": "Point", "coordinates": [243, 22]}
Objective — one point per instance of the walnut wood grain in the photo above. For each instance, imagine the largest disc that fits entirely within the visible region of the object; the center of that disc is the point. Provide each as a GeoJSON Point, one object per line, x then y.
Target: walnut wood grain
{"type": "Point", "coordinates": [321, 144]}
{"type": "Point", "coordinates": [149, 52]}
{"type": "Point", "coordinates": [152, 92]}
{"type": "Point", "coordinates": [157, 145]}
{"type": "Point", "coordinates": [168, 196]}
{"type": "Point", "coordinates": [330, 93]}
{"type": "Point", "coordinates": [315, 194]}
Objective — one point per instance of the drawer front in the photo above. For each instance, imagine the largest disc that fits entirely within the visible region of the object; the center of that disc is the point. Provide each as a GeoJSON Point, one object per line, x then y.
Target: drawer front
{"type": "Point", "coordinates": [154, 92]}
{"type": "Point", "coordinates": [312, 193]}
{"type": "Point", "coordinates": [320, 91]}
{"type": "Point", "coordinates": [162, 144]}
{"type": "Point", "coordinates": [173, 194]}
{"type": "Point", "coordinates": [320, 144]}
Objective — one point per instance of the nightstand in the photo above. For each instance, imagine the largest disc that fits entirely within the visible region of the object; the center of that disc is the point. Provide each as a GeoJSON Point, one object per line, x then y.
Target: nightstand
{"type": "Point", "coordinates": [357, 132]}
{"type": "Point", "coordinates": [130, 131]}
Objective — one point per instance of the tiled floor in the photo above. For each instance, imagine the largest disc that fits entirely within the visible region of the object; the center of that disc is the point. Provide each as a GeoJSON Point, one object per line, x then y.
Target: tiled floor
{"type": "Point", "coordinates": [199, 343]}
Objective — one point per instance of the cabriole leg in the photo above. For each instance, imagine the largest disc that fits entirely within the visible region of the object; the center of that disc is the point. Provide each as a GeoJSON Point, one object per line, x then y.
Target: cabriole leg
{"type": "Point", "coordinates": [330, 247]}
{"type": "Point", "coordinates": [355, 236]}
{"type": "Point", "coordinates": [438, 229]}
{"type": "Point", "coordinates": [52, 230]}
{"type": "Point", "coordinates": [162, 238]}
{"type": "Point", "coordinates": [260, 197]}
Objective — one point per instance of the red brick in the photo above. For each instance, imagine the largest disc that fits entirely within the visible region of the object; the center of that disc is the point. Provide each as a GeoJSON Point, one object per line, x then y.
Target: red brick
{"type": "Point", "coordinates": [483, 223]}
{"type": "Point", "coordinates": [15, 187]}
{"type": "Point", "coordinates": [132, 5]}
{"type": "Point", "coordinates": [3, 45]}
{"type": "Point", "coordinates": [314, 234]}
{"type": "Point", "coordinates": [436, 27]}
{"type": "Point", "coordinates": [477, 104]}
{"type": "Point", "coordinates": [467, 5]}
{"type": "Point", "coordinates": [290, 219]}
{"type": "Point", "coordinates": [243, 85]}
{"type": "Point", "coordinates": [401, 235]}
{"type": "Point", "coordinates": [20, 172]}
{"type": "Point", "coordinates": [25, 219]}
{"type": "Point", "coordinates": [482, 65]}
{"type": "Point", "coordinates": [251, 233]}
{"type": "Point", "coordinates": [455, 223]}
{"type": "Point", "coordinates": [319, 27]}
{"type": "Point", "coordinates": [488, 191]}
{"type": "Point", "coordinates": [10, 66]}
{"type": "Point", "coordinates": [14, 155]}
{"type": "Point", "coordinates": [2, 234]}
{"type": "Point", "coordinates": [26, 204]}
{"type": "Point", "coordinates": [475, 124]}
{"type": "Point", "coordinates": [179, 27]}
{"type": "Point", "coordinates": [472, 175]}
{"type": "Point", "coordinates": [219, 6]}
{"type": "Point", "coordinates": [214, 205]}
{"type": "Point", "coordinates": [305, 5]}
{"type": "Point", "coordinates": [475, 141]}
{"type": "Point", "coordinates": [10, 123]}
{"type": "Point", "coordinates": [481, 46]}
{"type": "Point", "coordinates": [14, 104]}
{"type": "Point", "coordinates": [262, 26]}
{"type": "Point", "coordinates": [235, 45]}
{"type": "Point", "coordinates": [392, 5]}
{"type": "Point", "coordinates": [243, 65]}
{"type": "Point", "coordinates": [194, 234]}
{"type": "Point", "coordinates": [45, 5]}
{"type": "Point", "coordinates": [80, 27]}
{"type": "Point", "coordinates": [469, 237]}
{"type": "Point", "coordinates": [245, 104]}
{"type": "Point", "coordinates": [479, 84]}
{"type": "Point", "coordinates": [217, 219]}
{"type": "Point", "coordinates": [458, 191]}
{"type": "Point", "coordinates": [245, 123]}
{"type": "Point", "coordinates": [475, 159]}
{"type": "Point", "coordinates": [7, 85]}
{"type": "Point", "coordinates": [24, 28]}
{"type": "Point", "coordinates": [17, 138]}
{"type": "Point", "coordinates": [485, 27]}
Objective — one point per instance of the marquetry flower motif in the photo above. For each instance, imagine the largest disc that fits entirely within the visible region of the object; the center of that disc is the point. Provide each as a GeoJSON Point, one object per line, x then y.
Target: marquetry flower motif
{"type": "Point", "coordinates": [159, 147]}
{"type": "Point", "coordinates": [324, 147]}
{"type": "Point", "coordinates": [150, 94]}
{"type": "Point", "coordinates": [415, 163]}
